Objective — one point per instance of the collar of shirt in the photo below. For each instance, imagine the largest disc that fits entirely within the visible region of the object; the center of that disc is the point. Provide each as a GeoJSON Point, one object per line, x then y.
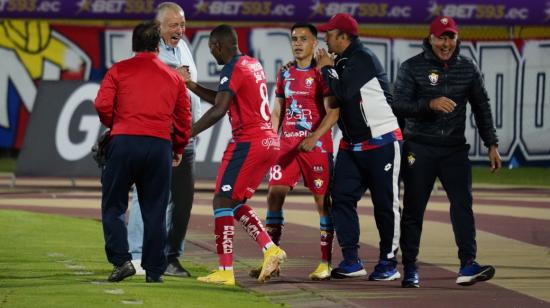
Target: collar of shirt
{"type": "Point", "coordinates": [167, 47]}
{"type": "Point", "coordinates": [146, 54]}
{"type": "Point", "coordinates": [169, 55]}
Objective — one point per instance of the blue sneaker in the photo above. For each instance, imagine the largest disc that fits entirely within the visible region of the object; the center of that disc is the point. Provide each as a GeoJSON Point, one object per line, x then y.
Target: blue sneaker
{"type": "Point", "coordinates": [410, 279]}
{"type": "Point", "coordinates": [473, 272]}
{"type": "Point", "coordinates": [348, 269]}
{"type": "Point", "coordinates": [385, 270]}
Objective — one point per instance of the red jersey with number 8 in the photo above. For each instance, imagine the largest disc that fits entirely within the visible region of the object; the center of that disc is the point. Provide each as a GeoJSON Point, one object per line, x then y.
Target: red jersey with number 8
{"type": "Point", "coordinates": [249, 111]}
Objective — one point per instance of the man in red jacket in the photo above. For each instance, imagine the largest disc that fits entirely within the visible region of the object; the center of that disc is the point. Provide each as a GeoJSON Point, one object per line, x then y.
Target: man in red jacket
{"type": "Point", "coordinates": [146, 106]}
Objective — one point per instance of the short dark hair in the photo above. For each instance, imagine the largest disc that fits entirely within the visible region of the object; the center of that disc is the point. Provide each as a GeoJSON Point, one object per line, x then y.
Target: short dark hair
{"type": "Point", "coordinates": [311, 27]}
{"type": "Point", "coordinates": [225, 34]}
{"type": "Point", "coordinates": [146, 37]}
{"type": "Point", "coordinates": [351, 37]}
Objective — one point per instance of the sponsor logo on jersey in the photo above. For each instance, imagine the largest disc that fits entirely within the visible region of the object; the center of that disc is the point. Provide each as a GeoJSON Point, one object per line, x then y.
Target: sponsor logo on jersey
{"type": "Point", "coordinates": [226, 187]}
{"type": "Point", "coordinates": [224, 80]}
{"type": "Point", "coordinates": [318, 169]}
{"type": "Point", "coordinates": [271, 142]}
{"type": "Point", "coordinates": [387, 167]}
{"type": "Point", "coordinates": [298, 134]}
{"type": "Point", "coordinates": [411, 158]}
{"type": "Point", "coordinates": [318, 183]}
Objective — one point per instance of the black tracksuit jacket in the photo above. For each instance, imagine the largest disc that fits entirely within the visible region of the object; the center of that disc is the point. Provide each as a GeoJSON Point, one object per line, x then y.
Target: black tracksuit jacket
{"type": "Point", "coordinates": [425, 77]}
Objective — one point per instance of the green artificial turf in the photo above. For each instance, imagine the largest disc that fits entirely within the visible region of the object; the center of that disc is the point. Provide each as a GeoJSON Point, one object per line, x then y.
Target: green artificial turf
{"type": "Point", "coordinates": [56, 261]}
{"type": "Point", "coordinates": [523, 176]}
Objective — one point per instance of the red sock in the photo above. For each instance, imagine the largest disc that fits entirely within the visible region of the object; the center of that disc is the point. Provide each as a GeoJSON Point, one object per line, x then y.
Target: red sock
{"type": "Point", "coordinates": [252, 224]}
{"type": "Point", "coordinates": [326, 245]}
{"type": "Point", "coordinates": [224, 231]}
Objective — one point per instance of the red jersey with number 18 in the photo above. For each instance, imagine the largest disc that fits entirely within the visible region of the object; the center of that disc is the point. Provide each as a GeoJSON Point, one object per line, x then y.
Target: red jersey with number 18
{"type": "Point", "coordinates": [249, 111]}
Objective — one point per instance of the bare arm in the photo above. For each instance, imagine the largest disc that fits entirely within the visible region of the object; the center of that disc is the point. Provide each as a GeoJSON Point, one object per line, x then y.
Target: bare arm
{"type": "Point", "coordinates": [205, 94]}
{"type": "Point", "coordinates": [494, 157]}
{"type": "Point", "coordinates": [214, 114]}
{"type": "Point", "coordinates": [328, 121]}
{"type": "Point", "coordinates": [276, 114]}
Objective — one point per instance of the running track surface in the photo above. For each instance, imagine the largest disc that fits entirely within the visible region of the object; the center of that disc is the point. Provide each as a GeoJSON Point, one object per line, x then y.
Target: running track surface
{"type": "Point", "coordinates": [513, 234]}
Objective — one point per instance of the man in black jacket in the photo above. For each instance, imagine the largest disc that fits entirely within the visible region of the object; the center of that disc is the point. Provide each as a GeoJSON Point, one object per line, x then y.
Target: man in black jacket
{"type": "Point", "coordinates": [431, 93]}
{"type": "Point", "coordinates": [369, 155]}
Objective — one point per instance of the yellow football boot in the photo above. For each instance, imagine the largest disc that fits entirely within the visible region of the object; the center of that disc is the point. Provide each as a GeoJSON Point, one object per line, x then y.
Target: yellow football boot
{"type": "Point", "coordinates": [219, 277]}
{"type": "Point", "coordinates": [322, 272]}
{"type": "Point", "coordinates": [273, 258]}
{"type": "Point", "coordinates": [255, 272]}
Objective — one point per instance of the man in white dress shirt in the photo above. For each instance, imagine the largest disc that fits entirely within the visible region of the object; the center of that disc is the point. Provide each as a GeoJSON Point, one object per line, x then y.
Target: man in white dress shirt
{"type": "Point", "coordinates": [174, 51]}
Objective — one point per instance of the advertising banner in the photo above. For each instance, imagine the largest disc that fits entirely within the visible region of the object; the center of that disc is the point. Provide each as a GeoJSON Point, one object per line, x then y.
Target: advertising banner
{"type": "Point", "coordinates": [62, 131]}
{"type": "Point", "coordinates": [515, 74]}
{"type": "Point", "coordinates": [494, 12]}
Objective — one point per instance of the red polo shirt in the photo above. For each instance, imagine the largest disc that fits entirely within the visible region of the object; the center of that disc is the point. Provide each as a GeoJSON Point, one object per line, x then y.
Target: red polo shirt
{"type": "Point", "coordinates": [143, 96]}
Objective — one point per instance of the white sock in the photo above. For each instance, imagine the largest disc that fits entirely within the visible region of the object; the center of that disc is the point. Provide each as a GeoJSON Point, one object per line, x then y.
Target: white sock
{"type": "Point", "coordinates": [266, 247]}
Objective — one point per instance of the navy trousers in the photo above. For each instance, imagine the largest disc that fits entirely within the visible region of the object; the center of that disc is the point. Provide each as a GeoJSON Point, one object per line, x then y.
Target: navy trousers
{"type": "Point", "coordinates": [147, 162]}
{"type": "Point", "coordinates": [421, 166]}
{"type": "Point", "coordinates": [354, 173]}
{"type": "Point", "coordinates": [183, 191]}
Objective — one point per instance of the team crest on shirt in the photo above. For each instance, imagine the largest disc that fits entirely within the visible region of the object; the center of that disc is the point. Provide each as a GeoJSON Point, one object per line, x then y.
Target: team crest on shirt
{"type": "Point", "coordinates": [309, 82]}
{"type": "Point", "coordinates": [411, 159]}
{"type": "Point", "coordinates": [318, 183]}
{"type": "Point", "coordinates": [434, 78]}
{"type": "Point", "coordinates": [318, 169]}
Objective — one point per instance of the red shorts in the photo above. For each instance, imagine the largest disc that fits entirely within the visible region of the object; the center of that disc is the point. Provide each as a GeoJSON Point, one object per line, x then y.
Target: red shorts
{"type": "Point", "coordinates": [244, 166]}
{"type": "Point", "coordinates": [315, 167]}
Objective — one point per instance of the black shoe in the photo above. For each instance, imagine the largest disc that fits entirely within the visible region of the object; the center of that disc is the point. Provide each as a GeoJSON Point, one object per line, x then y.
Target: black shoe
{"type": "Point", "coordinates": [153, 279]}
{"type": "Point", "coordinates": [121, 272]}
{"type": "Point", "coordinates": [174, 268]}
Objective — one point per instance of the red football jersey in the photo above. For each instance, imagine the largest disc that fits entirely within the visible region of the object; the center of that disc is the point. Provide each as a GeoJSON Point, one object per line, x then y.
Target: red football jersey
{"type": "Point", "coordinates": [303, 91]}
{"type": "Point", "coordinates": [249, 111]}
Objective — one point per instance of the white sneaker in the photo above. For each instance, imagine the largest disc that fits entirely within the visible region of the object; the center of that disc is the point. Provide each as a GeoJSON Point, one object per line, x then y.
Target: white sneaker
{"type": "Point", "coordinates": [137, 265]}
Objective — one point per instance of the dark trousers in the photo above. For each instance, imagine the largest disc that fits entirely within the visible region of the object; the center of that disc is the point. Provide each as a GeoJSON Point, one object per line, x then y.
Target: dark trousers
{"type": "Point", "coordinates": [422, 164]}
{"type": "Point", "coordinates": [183, 190]}
{"type": "Point", "coordinates": [354, 172]}
{"type": "Point", "coordinates": [145, 161]}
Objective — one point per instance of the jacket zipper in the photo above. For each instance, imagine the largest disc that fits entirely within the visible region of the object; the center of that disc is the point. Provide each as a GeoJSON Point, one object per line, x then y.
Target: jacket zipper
{"type": "Point", "coordinates": [445, 70]}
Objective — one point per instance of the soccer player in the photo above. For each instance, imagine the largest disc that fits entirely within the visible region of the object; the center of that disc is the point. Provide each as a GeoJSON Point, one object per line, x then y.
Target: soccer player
{"type": "Point", "coordinates": [303, 110]}
{"type": "Point", "coordinates": [254, 148]}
